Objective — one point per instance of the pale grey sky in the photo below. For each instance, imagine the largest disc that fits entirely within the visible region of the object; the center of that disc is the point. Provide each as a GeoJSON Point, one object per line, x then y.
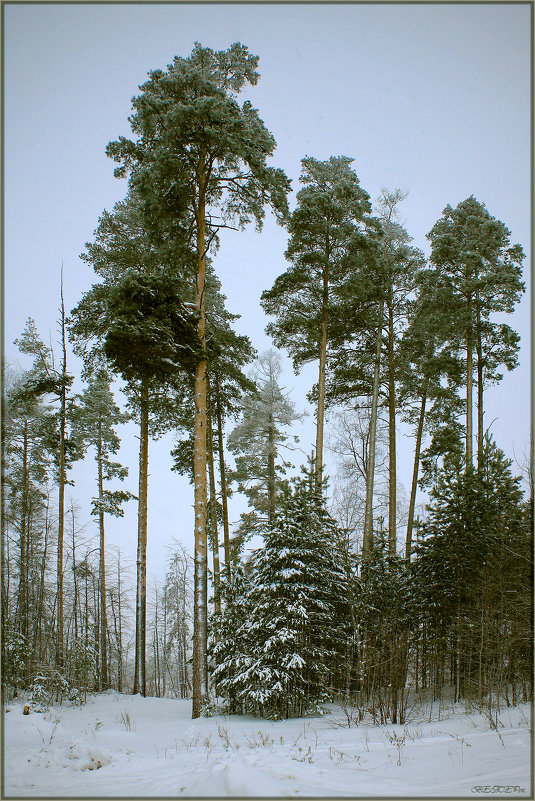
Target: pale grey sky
{"type": "Point", "coordinates": [432, 98]}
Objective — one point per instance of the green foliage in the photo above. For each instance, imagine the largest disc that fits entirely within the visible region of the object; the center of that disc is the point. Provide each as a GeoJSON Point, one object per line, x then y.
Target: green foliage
{"type": "Point", "coordinates": [331, 232]}
{"type": "Point", "coordinates": [151, 335]}
{"type": "Point", "coordinates": [187, 122]}
{"type": "Point", "coordinates": [476, 544]}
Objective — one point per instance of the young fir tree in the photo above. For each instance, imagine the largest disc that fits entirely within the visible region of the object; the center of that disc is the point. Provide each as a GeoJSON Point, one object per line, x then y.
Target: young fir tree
{"type": "Point", "coordinates": [230, 648]}
{"type": "Point", "coordinates": [200, 162]}
{"type": "Point", "coordinates": [298, 608]}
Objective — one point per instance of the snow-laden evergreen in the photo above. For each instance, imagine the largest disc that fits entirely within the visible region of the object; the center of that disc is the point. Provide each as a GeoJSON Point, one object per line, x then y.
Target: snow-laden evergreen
{"type": "Point", "coordinates": [279, 660]}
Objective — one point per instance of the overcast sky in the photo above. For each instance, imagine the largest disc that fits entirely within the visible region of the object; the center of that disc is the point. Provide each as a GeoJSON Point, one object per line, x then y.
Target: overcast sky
{"type": "Point", "coordinates": [434, 99]}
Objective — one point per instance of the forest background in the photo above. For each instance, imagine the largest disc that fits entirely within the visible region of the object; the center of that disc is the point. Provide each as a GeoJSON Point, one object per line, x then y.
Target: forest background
{"type": "Point", "coordinates": [432, 99]}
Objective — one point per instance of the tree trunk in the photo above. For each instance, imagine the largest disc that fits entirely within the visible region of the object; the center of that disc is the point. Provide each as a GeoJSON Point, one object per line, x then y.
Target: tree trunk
{"type": "Point", "coordinates": [392, 494]}
{"type": "Point", "coordinates": [469, 387]}
{"type": "Point", "coordinates": [223, 478]}
{"type": "Point", "coordinates": [368, 515]}
{"type": "Point", "coordinates": [320, 415]}
{"type": "Point", "coordinates": [141, 582]}
{"type": "Point", "coordinates": [417, 448]}
{"type": "Point", "coordinates": [23, 574]}
{"type": "Point", "coordinates": [213, 504]}
{"type": "Point", "coordinates": [199, 469]}
{"type": "Point", "coordinates": [120, 631]}
{"type": "Point", "coordinates": [480, 365]}
{"type": "Point", "coordinates": [60, 654]}
{"type": "Point", "coordinates": [74, 578]}
{"type": "Point", "coordinates": [271, 471]}
{"type": "Point", "coordinates": [102, 569]}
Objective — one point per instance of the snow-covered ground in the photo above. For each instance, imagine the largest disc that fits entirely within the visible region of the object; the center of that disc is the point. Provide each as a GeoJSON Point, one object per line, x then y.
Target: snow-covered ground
{"type": "Point", "coordinates": [123, 745]}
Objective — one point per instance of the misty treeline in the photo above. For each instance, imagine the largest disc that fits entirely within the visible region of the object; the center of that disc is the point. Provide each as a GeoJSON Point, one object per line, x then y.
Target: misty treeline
{"type": "Point", "coordinates": [354, 593]}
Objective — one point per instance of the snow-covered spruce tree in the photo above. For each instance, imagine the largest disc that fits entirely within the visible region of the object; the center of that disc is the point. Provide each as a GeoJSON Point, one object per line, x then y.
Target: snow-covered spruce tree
{"type": "Point", "coordinates": [297, 609]}
{"type": "Point", "coordinates": [230, 641]}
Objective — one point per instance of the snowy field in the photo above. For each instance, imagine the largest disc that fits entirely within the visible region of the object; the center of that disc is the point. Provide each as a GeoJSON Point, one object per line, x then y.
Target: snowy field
{"type": "Point", "coordinates": [123, 745]}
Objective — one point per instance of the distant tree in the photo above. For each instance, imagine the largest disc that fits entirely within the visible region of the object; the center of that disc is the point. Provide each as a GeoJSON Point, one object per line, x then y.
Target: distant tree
{"type": "Point", "coordinates": [259, 437]}
{"type": "Point", "coordinates": [26, 426]}
{"type": "Point", "coordinates": [200, 161]}
{"type": "Point", "coordinates": [48, 380]}
{"type": "Point", "coordinates": [96, 420]}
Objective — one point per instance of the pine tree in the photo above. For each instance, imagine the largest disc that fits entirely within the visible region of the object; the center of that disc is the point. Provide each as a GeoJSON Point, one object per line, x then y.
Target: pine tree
{"type": "Point", "coordinates": [200, 163]}
{"type": "Point", "coordinates": [474, 262]}
{"type": "Point", "coordinates": [137, 322]}
{"type": "Point", "coordinates": [328, 235]}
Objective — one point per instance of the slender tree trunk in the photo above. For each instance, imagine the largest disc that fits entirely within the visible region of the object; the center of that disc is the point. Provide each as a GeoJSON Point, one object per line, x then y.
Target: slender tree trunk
{"type": "Point", "coordinates": [157, 689]}
{"type": "Point", "coordinates": [62, 481]}
{"type": "Point", "coordinates": [23, 574]}
{"type": "Point", "coordinates": [414, 487]}
{"type": "Point", "coordinates": [41, 598]}
{"type": "Point", "coordinates": [74, 577]}
{"type": "Point", "coordinates": [271, 471]}
{"type": "Point", "coordinates": [469, 388]}
{"type": "Point", "coordinates": [321, 373]}
{"type": "Point", "coordinates": [223, 478]}
{"type": "Point", "coordinates": [213, 504]}
{"type": "Point", "coordinates": [479, 367]}
{"type": "Point", "coordinates": [199, 468]}
{"type": "Point", "coordinates": [102, 568]}
{"type": "Point", "coordinates": [120, 631]}
{"type": "Point", "coordinates": [141, 583]}
{"type": "Point", "coordinates": [392, 494]}
{"type": "Point", "coordinates": [368, 514]}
